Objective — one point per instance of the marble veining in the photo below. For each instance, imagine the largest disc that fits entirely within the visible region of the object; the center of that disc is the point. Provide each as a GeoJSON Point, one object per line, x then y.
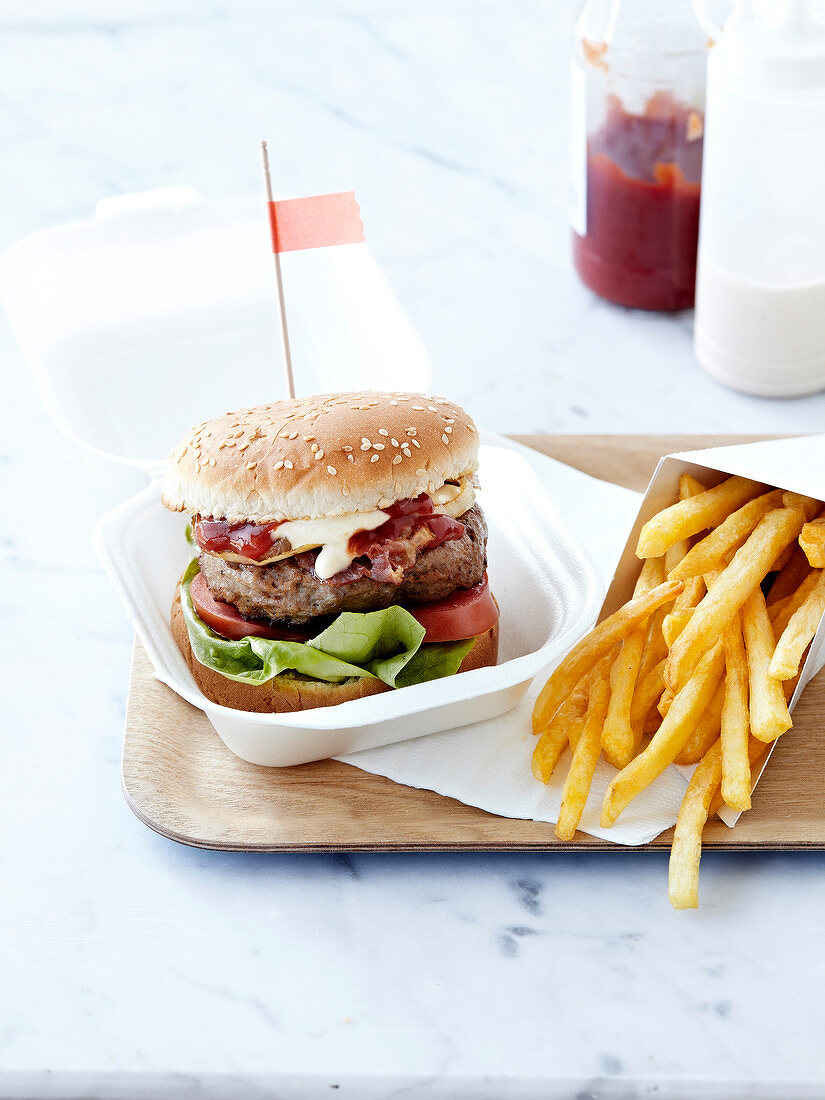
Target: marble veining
{"type": "Point", "coordinates": [130, 966]}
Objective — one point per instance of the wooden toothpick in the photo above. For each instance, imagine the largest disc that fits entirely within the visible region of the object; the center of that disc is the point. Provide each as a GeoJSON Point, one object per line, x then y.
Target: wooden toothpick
{"type": "Point", "coordinates": [290, 381]}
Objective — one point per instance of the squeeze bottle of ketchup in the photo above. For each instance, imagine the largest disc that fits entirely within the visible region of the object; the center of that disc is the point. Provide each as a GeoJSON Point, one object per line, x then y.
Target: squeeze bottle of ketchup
{"type": "Point", "coordinates": [638, 83]}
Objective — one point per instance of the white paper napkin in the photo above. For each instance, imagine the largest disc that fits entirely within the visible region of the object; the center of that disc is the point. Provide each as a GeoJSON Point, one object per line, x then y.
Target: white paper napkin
{"type": "Point", "coordinates": [488, 764]}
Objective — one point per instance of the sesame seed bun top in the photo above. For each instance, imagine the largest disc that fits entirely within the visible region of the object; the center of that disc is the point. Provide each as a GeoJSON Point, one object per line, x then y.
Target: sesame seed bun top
{"type": "Point", "coordinates": [327, 455]}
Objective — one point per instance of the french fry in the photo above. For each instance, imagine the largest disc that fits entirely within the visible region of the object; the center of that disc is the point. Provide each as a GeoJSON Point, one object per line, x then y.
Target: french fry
{"type": "Point", "coordinates": [567, 723]}
{"type": "Point", "coordinates": [652, 724]}
{"type": "Point", "coordinates": [750, 564]}
{"type": "Point", "coordinates": [689, 486]}
{"type": "Point", "coordinates": [812, 542]}
{"type": "Point", "coordinates": [757, 751]}
{"type": "Point", "coordinates": [783, 558]}
{"type": "Point", "coordinates": [670, 738]}
{"type": "Point", "coordinates": [768, 709]}
{"type": "Point", "coordinates": [648, 690]}
{"type": "Point", "coordinates": [783, 611]}
{"type": "Point", "coordinates": [585, 757]}
{"type": "Point", "coordinates": [699, 586]}
{"type": "Point", "coordinates": [674, 623]}
{"type": "Point", "coordinates": [797, 635]}
{"type": "Point", "coordinates": [729, 535]}
{"type": "Point", "coordinates": [706, 731]}
{"type": "Point", "coordinates": [688, 517]}
{"type": "Point", "coordinates": [617, 734]}
{"type": "Point", "coordinates": [686, 850]}
{"type": "Point", "coordinates": [655, 646]}
{"type": "Point", "coordinates": [583, 656]}
{"type": "Point", "coordinates": [789, 578]}
{"type": "Point", "coordinates": [735, 725]}
{"type": "Point", "coordinates": [809, 505]}
{"type": "Point", "coordinates": [557, 736]}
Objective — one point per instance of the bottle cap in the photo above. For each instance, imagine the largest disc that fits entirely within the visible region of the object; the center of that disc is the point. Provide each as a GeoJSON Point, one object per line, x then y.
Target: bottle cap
{"type": "Point", "coordinates": [782, 47]}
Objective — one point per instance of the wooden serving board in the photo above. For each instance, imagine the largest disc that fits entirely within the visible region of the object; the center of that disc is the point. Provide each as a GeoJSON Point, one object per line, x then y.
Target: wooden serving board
{"type": "Point", "coordinates": [182, 781]}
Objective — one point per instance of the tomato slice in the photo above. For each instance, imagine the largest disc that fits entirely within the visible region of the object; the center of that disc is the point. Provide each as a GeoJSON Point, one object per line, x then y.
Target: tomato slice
{"type": "Point", "coordinates": [227, 621]}
{"type": "Point", "coordinates": [465, 614]}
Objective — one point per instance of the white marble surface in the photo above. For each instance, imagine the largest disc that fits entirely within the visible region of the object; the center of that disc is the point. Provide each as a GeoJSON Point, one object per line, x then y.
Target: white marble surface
{"type": "Point", "coordinates": [132, 967]}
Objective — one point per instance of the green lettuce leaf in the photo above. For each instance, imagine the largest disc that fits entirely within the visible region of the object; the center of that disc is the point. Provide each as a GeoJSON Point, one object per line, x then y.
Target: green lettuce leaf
{"type": "Point", "coordinates": [379, 644]}
{"type": "Point", "coordinates": [434, 660]}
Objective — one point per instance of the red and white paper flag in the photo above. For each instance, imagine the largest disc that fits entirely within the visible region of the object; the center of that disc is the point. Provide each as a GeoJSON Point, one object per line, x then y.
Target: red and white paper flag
{"type": "Point", "coordinates": [346, 327]}
{"type": "Point", "coordinates": [315, 222]}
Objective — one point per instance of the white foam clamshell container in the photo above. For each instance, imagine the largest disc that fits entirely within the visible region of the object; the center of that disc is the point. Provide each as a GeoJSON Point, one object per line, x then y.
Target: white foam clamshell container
{"type": "Point", "coordinates": [547, 593]}
{"type": "Point", "coordinates": [160, 312]}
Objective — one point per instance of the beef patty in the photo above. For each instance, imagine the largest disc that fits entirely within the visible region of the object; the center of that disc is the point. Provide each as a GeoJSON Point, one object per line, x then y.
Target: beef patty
{"type": "Point", "coordinates": [285, 591]}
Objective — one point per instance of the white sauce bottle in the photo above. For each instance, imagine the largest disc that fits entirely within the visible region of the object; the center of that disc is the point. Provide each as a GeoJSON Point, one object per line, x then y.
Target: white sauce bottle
{"type": "Point", "coordinates": [760, 294]}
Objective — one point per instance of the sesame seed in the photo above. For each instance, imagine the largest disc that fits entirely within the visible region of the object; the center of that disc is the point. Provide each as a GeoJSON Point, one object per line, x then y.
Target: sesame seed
{"type": "Point", "coordinates": [448, 430]}
{"type": "Point", "coordinates": [432, 408]}
{"type": "Point", "coordinates": [243, 446]}
{"type": "Point", "coordinates": [415, 443]}
{"type": "Point", "coordinates": [366, 446]}
{"type": "Point", "coordinates": [350, 458]}
{"type": "Point", "coordinates": [288, 465]}
{"type": "Point", "coordinates": [393, 402]}
{"type": "Point", "coordinates": [418, 408]}
{"type": "Point", "coordinates": [383, 431]}
{"type": "Point", "coordinates": [212, 462]}
{"type": "Point", "coordinates": [396, 459]}
{"type": "Point", "coordinates": [394, 442]}
{"type": "Point", "coordinates": [314, 447]}
{"type": "Point", "coordinates": [346, 448]}
{"type": "Point", "coordinates": [308, 438]}
{"type": "Point", "coordinates": [318, 455]}
{"type": "Point", "coordinates": [411, 431]}
{"type": "Point", "coordinates": [331, 470]}
{"type": "Point", "coordinates": [378, 446]}
{"type": "Point", "coordinates": [445, 439]}
{"type": "Point", "coordinates": [344, 491]}
{"type": "Point", "coordinates": [251, 465]}
{"type": "Point", "coordinates": [374, 458]}
{"type": "Point", "coordinates": [471, 427]}
{"type": "Point", "coordinates": [420, 473]}
{"type": "Point", "coordinates": [364, 440]}
{"type": "Point", "coordinates": [279, 465]}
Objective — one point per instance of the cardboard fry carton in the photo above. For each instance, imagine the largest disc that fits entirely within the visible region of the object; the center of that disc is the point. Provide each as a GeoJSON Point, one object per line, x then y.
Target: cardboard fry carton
{"type": "Point", "coordinates": [796, 464]}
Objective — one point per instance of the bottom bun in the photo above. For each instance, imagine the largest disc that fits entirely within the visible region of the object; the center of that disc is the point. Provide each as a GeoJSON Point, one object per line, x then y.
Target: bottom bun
{"type": "Point", "coordinates": [288, 693]}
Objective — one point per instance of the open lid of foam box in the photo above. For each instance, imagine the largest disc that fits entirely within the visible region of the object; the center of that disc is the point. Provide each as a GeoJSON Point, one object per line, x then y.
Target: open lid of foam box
{"type": "Point", "coordinates": [163, 309]}
{"type": "Point", "coordinates": [796, 464]}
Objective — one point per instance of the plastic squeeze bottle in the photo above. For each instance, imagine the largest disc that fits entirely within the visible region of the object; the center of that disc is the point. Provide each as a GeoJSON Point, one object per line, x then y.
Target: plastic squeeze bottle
{"type": "Point", "coordinates": [760, 294]}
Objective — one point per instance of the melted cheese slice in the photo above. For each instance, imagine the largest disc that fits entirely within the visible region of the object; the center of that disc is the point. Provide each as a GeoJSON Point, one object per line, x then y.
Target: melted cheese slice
{"type": "Point", "coordinates": [332, 535]}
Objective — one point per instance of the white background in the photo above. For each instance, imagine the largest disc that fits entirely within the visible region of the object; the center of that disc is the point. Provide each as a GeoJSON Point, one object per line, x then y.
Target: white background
{"type": "Point", "coordinates": [122, 954]}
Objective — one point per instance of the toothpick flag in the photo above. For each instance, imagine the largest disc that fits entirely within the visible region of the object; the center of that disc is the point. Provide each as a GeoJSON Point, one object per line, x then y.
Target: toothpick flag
{"type": "Point", "coordinates": [317, 221]}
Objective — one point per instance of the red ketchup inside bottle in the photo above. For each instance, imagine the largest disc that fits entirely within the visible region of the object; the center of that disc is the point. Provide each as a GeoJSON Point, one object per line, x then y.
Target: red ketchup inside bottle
{"type": "Point", "coordinates": [643, 184]}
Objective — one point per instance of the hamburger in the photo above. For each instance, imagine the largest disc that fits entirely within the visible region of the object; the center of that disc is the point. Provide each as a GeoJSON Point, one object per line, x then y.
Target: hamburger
{"type": "Point", "coordinates": [339, 550]}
